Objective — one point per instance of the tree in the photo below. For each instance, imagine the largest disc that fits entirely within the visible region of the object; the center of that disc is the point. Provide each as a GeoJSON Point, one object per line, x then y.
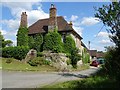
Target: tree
{"type": "Point", "coordinates": [31, 42]}
{"type": "Point", "coordinates": [22, 36]}
{"type": "Point", "coordinates": [5, 42]}
{"type": "Point", "coordinates": [110, 16]}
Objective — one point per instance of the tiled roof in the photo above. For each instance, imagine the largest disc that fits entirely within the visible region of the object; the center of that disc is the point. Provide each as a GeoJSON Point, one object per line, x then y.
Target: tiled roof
{"type": "Point", "coordinates": [42, 25]}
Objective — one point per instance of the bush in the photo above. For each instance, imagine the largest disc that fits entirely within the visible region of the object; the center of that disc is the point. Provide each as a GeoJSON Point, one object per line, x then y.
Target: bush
{"type": "Point", "coordinates": [18, 52]}
{"type": "Point", "coordinates": [74, 57]}
{"type": "Point", "coordinates": [53, 42]}
{"type": "Point", "coordinates": [39, 54]}
{"type": "Point", "coordinates": [38, 61]}
{"type": "Point", "coordinates": [9, 60]}
{"type": "Point", "coordinates": [85, 56]}
{"type": "Point", "coordinates": [69, 44]}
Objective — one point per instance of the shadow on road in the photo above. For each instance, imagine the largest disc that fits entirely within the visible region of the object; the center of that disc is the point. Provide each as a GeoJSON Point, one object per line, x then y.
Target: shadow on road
{"type": "Point", "coordinates": [71, 74]}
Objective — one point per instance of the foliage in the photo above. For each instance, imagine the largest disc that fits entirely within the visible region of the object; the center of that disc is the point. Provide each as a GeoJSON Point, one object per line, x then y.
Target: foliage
{"type": "Point", "coordinates": [5, 42]}
{"type": "Point", "coordinates": [53, 42]}
{"type": "Point", "coordinates": [22, 36]}
{"type": "Point", "coordinates": [31, 42]}
{"type": "Point", "coordinates": [112, 64]}
{"type": "Point", "coordinates": [39, 54]}
{"type": "Point", "coordinates": [110, 16]}
{"type": "Point", "coordinates": [69, 44]}
{"type": "Point", "coordinates": [75, 57]}
{"type": "Point", "coordinates": [38, 61]}
{"type": "Point", "coordinates": [85, 56]}
{"type": "Point", "coordinates": [9, 60]}
{"type": "Point", "coordinates": [38, 39]}
{"type": "Point", "coordinates": [18, 52]}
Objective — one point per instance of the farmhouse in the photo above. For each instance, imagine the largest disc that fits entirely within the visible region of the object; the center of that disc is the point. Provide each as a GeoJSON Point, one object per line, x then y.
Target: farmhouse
{"type": "Point", "coordinates": [44, 25]}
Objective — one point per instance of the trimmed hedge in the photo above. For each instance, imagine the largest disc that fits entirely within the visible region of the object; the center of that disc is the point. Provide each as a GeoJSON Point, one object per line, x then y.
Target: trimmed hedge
{"type": "Point", "coordinates": [17, 52]}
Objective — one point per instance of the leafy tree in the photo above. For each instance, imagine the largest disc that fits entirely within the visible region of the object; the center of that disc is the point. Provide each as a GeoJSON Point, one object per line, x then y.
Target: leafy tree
{"type": "Point", "coordinates": [53, 42]}
{"type": "Point", "coordinates": [69, 44]}
{"type": "Point", "coordinates": [5, 42]}
{"type": "Point", "coordinates": [8, 42]}
{"type": "Point", "coordinates": [22, 36]}
{"type": "Point", "coordinates": [110, 16]}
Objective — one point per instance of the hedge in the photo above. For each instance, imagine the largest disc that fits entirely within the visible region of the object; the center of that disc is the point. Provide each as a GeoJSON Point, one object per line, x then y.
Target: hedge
{"type": "Point", "coordinates": [17, 52]}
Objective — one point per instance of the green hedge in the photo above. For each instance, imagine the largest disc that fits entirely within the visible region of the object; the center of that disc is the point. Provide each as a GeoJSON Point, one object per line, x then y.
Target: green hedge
{"type": "Point", "coordinates": [17, 52]}
{"type": "Point", "coordinates": [53, 42]}
{"type": "Point", "coordinates": [69, 44]}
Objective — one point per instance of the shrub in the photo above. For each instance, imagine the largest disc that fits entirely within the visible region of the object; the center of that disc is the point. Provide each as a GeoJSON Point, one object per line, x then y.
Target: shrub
{"type": "Point", "coordinates": [22, 36]}
{"type": "Point", "coordinates": [53, 42]}
{"type": "Point", "coordinates": [38, 61]}
{"type": "Point", "coordinates": [85, 56]}
{"type": "Point", "coordinates": [69, 44]}
{"type": "Point", "coordinates": [39, 54]}
{"type": "Point", "coordinates": [9, 60]}
{"type": "Point", "coordinates": [74, 57]}
{"type": "Point", "coordinates": [18, 52]}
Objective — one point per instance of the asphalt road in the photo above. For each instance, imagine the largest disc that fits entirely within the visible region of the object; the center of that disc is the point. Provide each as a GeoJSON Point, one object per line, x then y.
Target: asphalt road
{"type": "Point", "coordinates": [39, 79]}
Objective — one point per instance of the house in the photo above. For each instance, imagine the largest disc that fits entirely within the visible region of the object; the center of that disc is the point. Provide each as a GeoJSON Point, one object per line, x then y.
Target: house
{"type": "Point", "coordinates": [44, 25]}
{"type": "Point", "coordinates": [96, 54]}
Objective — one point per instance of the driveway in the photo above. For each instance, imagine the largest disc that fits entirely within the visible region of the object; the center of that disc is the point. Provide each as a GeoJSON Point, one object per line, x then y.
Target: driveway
{"type": "Point", "coordinates": [12, 79]}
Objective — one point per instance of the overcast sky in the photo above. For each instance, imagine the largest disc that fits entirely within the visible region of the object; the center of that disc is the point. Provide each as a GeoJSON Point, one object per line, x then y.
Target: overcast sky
{"type": "Point", "coordinates": [80, 13]}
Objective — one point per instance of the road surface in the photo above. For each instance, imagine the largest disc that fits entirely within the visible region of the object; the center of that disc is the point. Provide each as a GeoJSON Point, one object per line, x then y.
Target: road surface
{"type": "Point", "coordinates": [12, 79]}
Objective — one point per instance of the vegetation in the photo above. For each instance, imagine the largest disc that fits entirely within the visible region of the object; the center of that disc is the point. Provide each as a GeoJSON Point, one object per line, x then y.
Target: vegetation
{"type": "Point", "coordinates": [17, 65]}
{"type": "Point", "coordinates": [53, 42]}
{"type": "Point", "coordinates": [36, 42]}
{"type": "Point", "coordinates": [22, 36]}
{"type": "Point", "coordinates": [4, 42]}
{"type": "Point", "coordinates": [17, 52]}
{"type": "Point", "coordinates": [101, 80]}
{"type": "Point", "coordinates": [39, 61]}
{"type": "Point", "coordinates": [110, 16]}
{"type": "Point", "coordinates": [69, 44]}
{"type": "Point", "coordinates": [85, 56]}
{"type": "Point", "coordinates": [74, 57]}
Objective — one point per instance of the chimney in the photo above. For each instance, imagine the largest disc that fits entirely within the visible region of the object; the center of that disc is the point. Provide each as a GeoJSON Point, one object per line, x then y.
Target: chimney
{"type": "Point", "coordinates": [23, 22]}
{"type": "Point", "coordinates": [52, 11]}
{"type": "Point", "coordinates": [70, 23]}
{"type": "Point", "coordinates": [52, 18]}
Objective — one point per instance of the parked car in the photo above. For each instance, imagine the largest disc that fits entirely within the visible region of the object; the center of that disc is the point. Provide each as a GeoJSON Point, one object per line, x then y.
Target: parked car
{"type": "Point", "coordinates": [101, 60]}
{"type": "Point", "coordinates": [94, 63]}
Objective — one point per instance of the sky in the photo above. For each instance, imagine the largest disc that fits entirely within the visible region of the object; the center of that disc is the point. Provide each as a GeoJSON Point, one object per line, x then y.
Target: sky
{"type": "Point", "coordinates": [80, 13]}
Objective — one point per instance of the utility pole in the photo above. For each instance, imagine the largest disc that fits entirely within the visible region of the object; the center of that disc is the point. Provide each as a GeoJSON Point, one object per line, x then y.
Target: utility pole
{"type": "Point", "coordinates": [89, 45]}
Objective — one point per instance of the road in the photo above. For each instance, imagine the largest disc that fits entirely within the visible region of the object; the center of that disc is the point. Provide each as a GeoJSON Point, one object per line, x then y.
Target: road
{"type": "Point", "coordinates": [12, 79]}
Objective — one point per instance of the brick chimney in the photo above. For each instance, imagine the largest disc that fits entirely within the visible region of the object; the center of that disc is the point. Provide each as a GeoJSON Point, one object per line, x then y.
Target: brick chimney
{"type": "Point", "coordinates": [23, 22]}
{"type": "Point", "coordinates": [52, 17]}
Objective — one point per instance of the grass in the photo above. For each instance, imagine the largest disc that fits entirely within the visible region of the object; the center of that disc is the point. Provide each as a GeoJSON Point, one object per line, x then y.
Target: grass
{"type": "Point", "coordinates": [17, 65]}
{"type": "Point", "coordinates": [98, 81]}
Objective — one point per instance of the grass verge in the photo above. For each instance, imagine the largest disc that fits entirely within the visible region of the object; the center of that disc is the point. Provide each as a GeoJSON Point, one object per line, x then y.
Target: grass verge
{"type": "Point", "coordinates": [98, 81]}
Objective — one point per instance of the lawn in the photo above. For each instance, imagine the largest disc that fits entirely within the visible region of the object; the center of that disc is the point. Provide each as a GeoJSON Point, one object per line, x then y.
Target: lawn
{"type": "Point", "coordinates": [17, 65]}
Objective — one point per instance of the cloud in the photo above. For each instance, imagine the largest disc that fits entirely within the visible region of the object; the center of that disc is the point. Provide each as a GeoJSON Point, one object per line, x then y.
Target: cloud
{"type": "Point", "coordinates": [88, 21]}
{"type": "Point", "coordinates": [10, 27]}
{"type": "Point", "coordinates": [78, 29]}
{"type": "Point", "coordinates": [74, 18]}
{"type": "Point", "coordinates": [103, 34]}
{"type": "Point", "coordinates": [105, 41]}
